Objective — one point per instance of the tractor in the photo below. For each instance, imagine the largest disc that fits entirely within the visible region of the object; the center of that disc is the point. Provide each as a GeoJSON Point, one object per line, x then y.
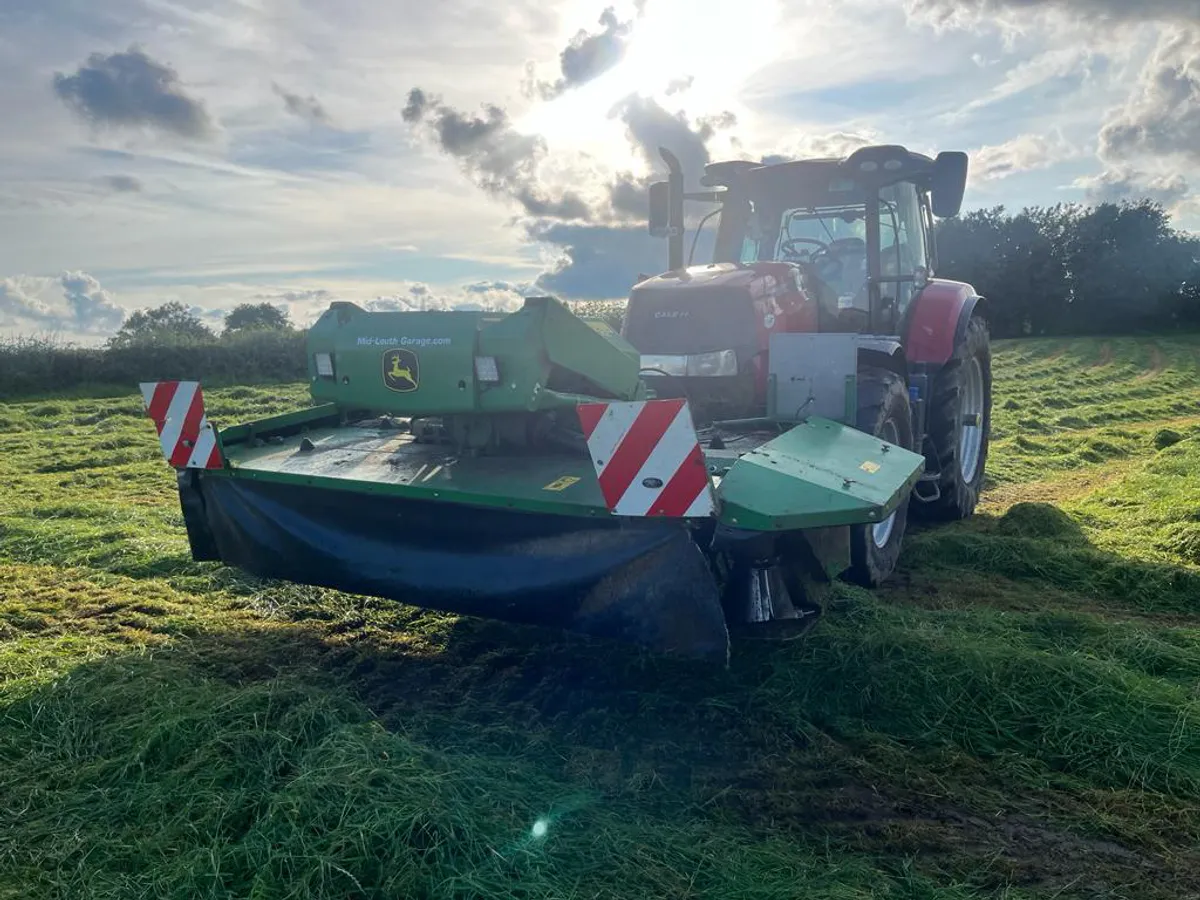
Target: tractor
{"type": "Point", "coordinates": [845, 249]}
{"type": "Point", "coordinates": [758, 429]}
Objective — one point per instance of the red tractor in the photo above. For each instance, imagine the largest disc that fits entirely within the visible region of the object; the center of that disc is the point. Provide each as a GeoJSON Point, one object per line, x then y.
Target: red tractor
{"type": "Point", "coordinates": [820, 293]}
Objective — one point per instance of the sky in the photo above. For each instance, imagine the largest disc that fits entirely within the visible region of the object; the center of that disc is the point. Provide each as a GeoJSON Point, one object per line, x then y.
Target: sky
{"type": "Point", "coordinates": [466, 153]}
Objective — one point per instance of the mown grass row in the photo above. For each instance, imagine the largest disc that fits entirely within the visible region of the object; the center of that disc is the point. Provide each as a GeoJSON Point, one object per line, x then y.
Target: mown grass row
{"type": "Point", "coordinates": [1062, 405]}
{"type": "Point", "coordinates": [1016, 716]}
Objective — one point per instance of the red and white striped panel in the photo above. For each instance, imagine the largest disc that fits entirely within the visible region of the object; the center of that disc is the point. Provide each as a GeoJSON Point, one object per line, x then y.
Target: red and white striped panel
{"type": "Point", "coordinates": [177, 410]}
{"type": "Point", "coordinates": [647, 458]}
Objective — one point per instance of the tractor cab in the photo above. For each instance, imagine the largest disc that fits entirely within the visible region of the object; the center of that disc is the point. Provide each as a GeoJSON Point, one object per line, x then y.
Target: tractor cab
{"type": "Point", "coordinates": [817, 245]}
{"type": "Point", "coordinates": [859, 229]}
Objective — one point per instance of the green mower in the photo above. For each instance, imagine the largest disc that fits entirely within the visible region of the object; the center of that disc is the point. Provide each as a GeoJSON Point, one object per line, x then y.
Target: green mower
{"type": "Point", "coordinates": [759, 428]}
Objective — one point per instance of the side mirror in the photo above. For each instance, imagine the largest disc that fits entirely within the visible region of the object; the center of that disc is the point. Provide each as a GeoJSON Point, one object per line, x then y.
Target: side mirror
{"type": "Point", "coordinates": [660, 208]}
{"type": "Point", "coordinates": [948, 183]}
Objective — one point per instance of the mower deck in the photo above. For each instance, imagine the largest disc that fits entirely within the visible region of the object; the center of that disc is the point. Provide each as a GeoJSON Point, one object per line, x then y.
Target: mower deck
{"type": "Point", "coordinates": [815, 475]}
{"type": "Point", "coordinates": [387, 461]}
{"type": "Point", "coordinates": [522, 539]}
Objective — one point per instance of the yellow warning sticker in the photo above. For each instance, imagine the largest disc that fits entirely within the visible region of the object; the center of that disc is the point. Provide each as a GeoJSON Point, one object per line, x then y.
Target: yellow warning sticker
{"type": "Point", "coordinates": [561, 484]}
{"type": "Point", "coordinates": [871, 467]}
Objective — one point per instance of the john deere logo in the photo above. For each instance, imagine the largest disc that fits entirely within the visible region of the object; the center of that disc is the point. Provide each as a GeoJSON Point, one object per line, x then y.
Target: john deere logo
{"type": "Point", "coordinates": [401, 370]}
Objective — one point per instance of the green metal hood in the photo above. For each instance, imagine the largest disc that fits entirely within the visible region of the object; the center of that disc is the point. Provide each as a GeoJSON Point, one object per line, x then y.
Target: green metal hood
{"type": "Point", "coordinates": [441, 363]}
{"type": "Point", "coordinates": [818, 474]}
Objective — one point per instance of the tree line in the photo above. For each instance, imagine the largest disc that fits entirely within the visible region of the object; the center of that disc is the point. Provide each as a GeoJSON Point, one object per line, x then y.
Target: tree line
{"type": "Point", "coordinates": [257, 344]}
{"type": "Point", "coordinates": [174, 323]}
{"type": "Point", "coordinates": [1059, 270]}
{"type": "Point", "coordinates": [1076, 270]}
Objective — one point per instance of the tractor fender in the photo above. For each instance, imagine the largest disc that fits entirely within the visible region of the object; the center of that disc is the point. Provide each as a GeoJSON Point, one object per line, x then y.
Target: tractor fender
{"type": "Point", "coordinates": [939, 320]}
{"type": "Point", "coordinates": [883, 353]}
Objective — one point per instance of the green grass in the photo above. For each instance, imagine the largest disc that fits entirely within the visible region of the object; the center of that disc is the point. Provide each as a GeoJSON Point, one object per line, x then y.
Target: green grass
{"type": "Point", "coordinates": [1015, 716]}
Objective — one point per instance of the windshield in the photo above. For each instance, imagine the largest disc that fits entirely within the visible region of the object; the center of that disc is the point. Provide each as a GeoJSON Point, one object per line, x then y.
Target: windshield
{"type": "Point", "coordinates": [830, 242]}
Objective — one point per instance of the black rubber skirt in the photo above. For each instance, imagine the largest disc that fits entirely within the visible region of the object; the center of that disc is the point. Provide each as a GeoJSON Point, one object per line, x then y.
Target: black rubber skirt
{"type": "Point", "coordinates": [643, 581]}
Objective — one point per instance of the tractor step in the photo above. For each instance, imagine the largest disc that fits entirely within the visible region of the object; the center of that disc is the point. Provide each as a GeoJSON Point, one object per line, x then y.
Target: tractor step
{"type": "Point", "coordinates": [928, 478]}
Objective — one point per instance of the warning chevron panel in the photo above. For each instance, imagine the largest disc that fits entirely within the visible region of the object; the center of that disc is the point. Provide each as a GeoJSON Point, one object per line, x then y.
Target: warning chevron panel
{"type": "Point", "coordinates": [647, 458]}
{"type": "Point", "coordinates": [184, 432]}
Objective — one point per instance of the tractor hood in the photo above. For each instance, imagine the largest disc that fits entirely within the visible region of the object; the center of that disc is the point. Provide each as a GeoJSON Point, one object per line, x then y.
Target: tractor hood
{"type": "Point", "coordinates": [704, 309]}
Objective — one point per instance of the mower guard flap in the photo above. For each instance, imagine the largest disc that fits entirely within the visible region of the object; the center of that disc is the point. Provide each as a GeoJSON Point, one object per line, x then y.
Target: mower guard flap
{"type": "Point", "coordinates": [640, 581]}
{"type": "Point", "coordinates": [818, 474]}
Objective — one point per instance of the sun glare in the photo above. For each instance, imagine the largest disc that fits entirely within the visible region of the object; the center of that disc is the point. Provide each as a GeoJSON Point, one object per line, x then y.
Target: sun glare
{"type": "Point", "coordinates": [715, 43]}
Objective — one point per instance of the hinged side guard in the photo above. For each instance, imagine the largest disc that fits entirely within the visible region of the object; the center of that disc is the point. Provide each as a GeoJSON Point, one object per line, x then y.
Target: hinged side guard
{"type": "Point", "coordinates": [187, 438]}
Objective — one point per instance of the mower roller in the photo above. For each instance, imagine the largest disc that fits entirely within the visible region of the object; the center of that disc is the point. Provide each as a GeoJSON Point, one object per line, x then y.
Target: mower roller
{"type": "Point", "coordinates": [758, 429]}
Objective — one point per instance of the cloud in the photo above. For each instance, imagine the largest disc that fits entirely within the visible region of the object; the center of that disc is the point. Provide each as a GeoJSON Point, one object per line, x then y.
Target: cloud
{"type": "Point", "coordinates": [92, 307]}
{"type": "Point", "coordinates": [123, 184]}
{"type": "Point", "coordinates": [308, 108]}
{"type": "Point", "coordinates": [959, 12]}
{"type": "Point", "coordinates": [679, 85]}
{"type": "Point", "coordinates": [594, 255]}
{"type": "Point", "coordinates": [497, 296]}
{"type": "Point", "coordinates": [129, 89]}
{"type": "Point", "coordinates": [1124, 184]}
{"type": "Point", "coordinates": [308, 296]}
{"type": "Point", "coordinates": [500, 159]}
{"type": "Point", "coordinates": [1162, 117]}
{"type": "Point", "coordinates": [1062, 69]}
{"type": "Point", "coordinates": [1022, 154]}
{"type": "Point", "coordinates": [649, 126]}
{"type": "Point", "coordinates": [494, 295]}
{"type": "Point", "coordinates": [601, 262]}
{"type": "Point", "coordinates": [834, 145]}
{"type": "Point", "coordinates": [487, 287]}
{"type": "Point", "coordinates": [587, 56]}
{"type": "Point", "coordinates": [17, 303]}
{"type": "Point", "coordinates": [83, 306]}
{"type": "Point", "coordinates": [305, 304]}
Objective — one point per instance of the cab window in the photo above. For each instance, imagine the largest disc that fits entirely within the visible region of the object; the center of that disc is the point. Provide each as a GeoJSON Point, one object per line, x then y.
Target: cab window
{"type": "Point", "coordinates": [902, 239]}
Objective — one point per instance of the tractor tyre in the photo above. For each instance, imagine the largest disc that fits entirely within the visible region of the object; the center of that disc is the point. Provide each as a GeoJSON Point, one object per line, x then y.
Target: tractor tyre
{"type": "Point", "coordinates": [959, 425]}
{"type": "Point", "coordinates": [884, 411]}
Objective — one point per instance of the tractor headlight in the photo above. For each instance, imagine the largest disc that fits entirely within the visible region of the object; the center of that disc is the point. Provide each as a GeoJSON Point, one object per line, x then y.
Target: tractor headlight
{"type": "Point", "coordinates": [324, 362]}
{"type": "Point", "coordinates": [696, 365]}
{"type": "Point", "coordinates": [721, 362]}
{"type": "Point", "coordinates": [659, 364]}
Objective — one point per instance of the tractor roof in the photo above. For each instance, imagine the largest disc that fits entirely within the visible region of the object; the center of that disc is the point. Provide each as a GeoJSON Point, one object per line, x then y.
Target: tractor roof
{"type": "Point", "coordinates": [820, 181]}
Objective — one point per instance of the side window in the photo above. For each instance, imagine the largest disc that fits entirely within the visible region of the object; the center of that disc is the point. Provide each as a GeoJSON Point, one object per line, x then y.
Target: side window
{"type": "Point", "coordinates": [913, 250]}
{"type": "Point", "coordinates": [749, 249]}
{"type": "Point", "coordinates": [909, 250]}
{"type": "Point", "coordinates": [930, 247]}
{"type": "Point", "coordinates": [751, 235]}
{"type": "Point", "coordinates": [890, 236]}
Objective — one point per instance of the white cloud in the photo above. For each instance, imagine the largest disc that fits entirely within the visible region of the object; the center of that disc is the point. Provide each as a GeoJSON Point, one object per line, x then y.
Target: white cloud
{"type": "Point", "coordinates": [1024, 153]}
{"type": "Point", "coordinates": [1171, 190]}
{"type": "Point", "coordinates": [1162, 117]}
{"type": "Point", "coordinates": [73, 304]}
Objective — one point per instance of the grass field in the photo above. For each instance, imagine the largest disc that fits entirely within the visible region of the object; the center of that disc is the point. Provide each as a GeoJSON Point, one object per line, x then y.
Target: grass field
{"type": "Point", "coordinates": [1017, 716]}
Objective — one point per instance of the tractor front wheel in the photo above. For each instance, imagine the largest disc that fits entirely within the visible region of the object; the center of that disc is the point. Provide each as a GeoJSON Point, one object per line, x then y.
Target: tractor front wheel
{"type": "Point", "coordinates": [883, 410]}
{"type": "Point", "coordinates": [960, 415]}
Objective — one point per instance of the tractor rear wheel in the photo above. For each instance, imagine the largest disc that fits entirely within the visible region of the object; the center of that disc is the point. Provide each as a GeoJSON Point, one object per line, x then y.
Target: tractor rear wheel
{"type": "Point", "coordinates": [960, 415]}
{"type": "Point", "coordinates": [884, 411]}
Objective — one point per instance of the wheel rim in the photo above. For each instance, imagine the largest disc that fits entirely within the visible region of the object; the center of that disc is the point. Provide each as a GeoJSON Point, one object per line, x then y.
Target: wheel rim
{"type": "Point", "coordinates": [971, 411]}
{"type": "Point", "coordinates": [881, 532]}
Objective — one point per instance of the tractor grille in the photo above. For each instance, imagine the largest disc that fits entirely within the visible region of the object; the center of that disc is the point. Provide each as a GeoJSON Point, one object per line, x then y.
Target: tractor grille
{"type": "Point", "coordinates": [695, 321]}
